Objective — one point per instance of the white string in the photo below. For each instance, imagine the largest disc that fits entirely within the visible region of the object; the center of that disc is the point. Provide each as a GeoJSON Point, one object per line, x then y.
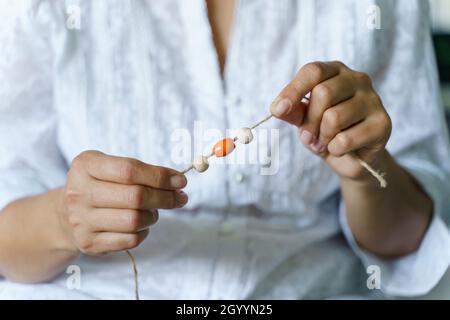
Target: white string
{"type": "Point", "coordinates": [261, 122]}
{"type": "Point", "coordinates": [135, 273]}
{"type": "Point", "coordinates": [234, 139]}
{"type": "Point", "coordinates": [187, 169]}
{"type": "Point", "coordinates": [377, 175]}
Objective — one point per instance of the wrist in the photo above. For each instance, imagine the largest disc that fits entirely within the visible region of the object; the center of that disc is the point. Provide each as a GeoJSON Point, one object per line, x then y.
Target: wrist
{"type": "Point", "coordinates": [63, 236]}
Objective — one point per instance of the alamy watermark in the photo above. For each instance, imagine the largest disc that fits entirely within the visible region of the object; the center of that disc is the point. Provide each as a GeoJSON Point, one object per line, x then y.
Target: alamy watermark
{"type": "Point", "coordinates": [374, 280]}
{"type": "Point", "coordinates": [73, 17]}
{"type": "Point", "coordinates": [373, 21]}
{"type": "Point", "coordinates": [264, 150]}
{"type": "Point", "coordinates": [73, 282]}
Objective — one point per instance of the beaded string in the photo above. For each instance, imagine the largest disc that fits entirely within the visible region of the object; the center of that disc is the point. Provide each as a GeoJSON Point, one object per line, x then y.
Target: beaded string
{"type": "Point", "coordinates": [224, 147]}
{"type": "Point", "coordinates": [261, 122]}
{"type": "Point", "coordinates": [245, 136]}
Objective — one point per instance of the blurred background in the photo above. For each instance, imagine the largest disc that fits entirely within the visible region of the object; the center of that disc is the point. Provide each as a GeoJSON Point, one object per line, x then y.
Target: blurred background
{"type": "Point", "coordinates": [441, 36]}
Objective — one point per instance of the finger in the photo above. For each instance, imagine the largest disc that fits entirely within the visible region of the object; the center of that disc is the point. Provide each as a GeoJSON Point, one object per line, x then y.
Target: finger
{"type": "Point", "coordinates": [324, 96]}
{"type": "Point", "coordinates": [368, 133]}
{"type": "Point", "coordinates": [120, 196]}
{"type": "Point", "coordinates": [340, 117]}
{"type": "Point", "coordinates": [296, 114]}
{"type": "Point", "coordinates": [290, 98]}
{"type": "Point", "coordinates": [121, 220]}
{"type": "Point", "coordinates": [111, 241]}
{"type": "Point", "coordinates": [130, 171]}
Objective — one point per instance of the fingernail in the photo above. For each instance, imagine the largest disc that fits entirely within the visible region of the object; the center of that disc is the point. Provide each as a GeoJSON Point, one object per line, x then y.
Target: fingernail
{"type": "Point", "coordinates": [306, 137]}
{"type": "Point", "coordinates": [178, 181]}
{"type": "Point", "coordinates": [182, 199]}
{"type": "Point", "coordinates": [317, 146]}
{"type": "Point", "coordinates": [281, 107]}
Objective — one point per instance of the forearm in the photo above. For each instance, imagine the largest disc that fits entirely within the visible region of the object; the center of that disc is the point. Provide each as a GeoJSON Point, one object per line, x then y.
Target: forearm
{"type": "Point", "coordinates": [33, 245]}
{"type": "Point", "coordinates": [388, 222]}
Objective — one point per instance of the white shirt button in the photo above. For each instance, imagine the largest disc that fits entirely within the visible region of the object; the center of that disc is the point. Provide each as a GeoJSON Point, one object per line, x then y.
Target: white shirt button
{"type": "Point", "coordinates": [226, 229]}
{"type": "Point", "coordinates": [232, 101]}
{"type": "Point", "coordinates": [239, 177]}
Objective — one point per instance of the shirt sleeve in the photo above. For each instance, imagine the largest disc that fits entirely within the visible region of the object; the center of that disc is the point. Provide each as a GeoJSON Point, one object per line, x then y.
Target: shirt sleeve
{"type": "Point", "coordinates": [30, 161]}
{"type": "Point", "coordinates": [407, 82]}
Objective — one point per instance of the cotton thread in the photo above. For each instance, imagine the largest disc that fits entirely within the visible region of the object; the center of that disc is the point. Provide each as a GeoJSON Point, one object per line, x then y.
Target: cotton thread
{"type": "Point", "coordinates": [135, 273]}
{"type": "Point", "coordinates": [379, 176]}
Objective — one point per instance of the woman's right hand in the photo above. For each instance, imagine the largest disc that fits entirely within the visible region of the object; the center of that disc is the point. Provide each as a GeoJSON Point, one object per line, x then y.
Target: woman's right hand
{"type": "Point", "coordinates": [109, 203]}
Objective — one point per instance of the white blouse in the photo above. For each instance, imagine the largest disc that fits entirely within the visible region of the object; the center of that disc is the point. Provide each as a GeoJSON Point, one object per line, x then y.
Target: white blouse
{"type": "Point", "coordinates": [136, 74]}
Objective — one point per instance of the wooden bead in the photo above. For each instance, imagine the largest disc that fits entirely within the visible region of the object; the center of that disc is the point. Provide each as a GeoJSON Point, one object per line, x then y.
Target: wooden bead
{"type": "Point", "coordinates": [223, 147]}
{"type": "Point", "coordinates": [244, 135]}
{"type": "Point", "coordinates": [200, 163]}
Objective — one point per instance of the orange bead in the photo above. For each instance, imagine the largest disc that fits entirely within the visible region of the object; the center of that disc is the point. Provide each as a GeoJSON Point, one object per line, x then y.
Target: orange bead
{"type": "Point", "coordinates": [223, 147]}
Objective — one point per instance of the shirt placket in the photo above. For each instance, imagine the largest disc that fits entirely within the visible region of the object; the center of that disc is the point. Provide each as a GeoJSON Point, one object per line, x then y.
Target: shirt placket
{"type": "Point", "coordinates": [228, 272]}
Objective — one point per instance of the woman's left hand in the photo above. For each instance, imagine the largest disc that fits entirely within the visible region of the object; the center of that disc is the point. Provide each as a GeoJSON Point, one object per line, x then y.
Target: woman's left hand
{"type": "Point", "coordinates": [344, 115]}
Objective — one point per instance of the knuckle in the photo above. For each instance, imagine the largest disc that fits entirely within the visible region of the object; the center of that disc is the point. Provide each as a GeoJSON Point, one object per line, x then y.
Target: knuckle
{"type": "Point", "coordinates": [72, 194]}
{"type": "Point", "coordinates": [384, 122]}
{"type": "Point", "coordinates": [136, 196]}
{"type": "Point", "coordinates": [127, 170]}
{"type": "Point", "coordinates": [294, 86]}
{"type": "Point", "coordinates": [80, 160]}
{"type": "Point", "coordinates": [85, 155]}
{"type": "Point", "coordinates": [331, 119]}
{"type": "Point", "coordinates": [362, 77]}
{"type": "Point", "coordinates": [73, 220]}
{"type": "Point", "coordinates": [323, 93]}
{"type": "Point", "coordinates": [315, 70]}
{"type": "Point", "coordinates": [339, 64]}
{"type": "Point", "coordinates": [344, 141]}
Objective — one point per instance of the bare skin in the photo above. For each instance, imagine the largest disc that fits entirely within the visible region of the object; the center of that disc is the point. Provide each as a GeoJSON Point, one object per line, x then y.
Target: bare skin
{"type": "Point", "coordinates": [220, 15]}
{"type": "Point", "coordinates": [345, 116]}
{"type": "Point", "coordinates": [109, 203]}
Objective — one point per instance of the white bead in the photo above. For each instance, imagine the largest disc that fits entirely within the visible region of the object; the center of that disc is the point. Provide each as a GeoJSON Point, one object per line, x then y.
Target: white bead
{"type": "Point", "coordinates": [200, 163]}
{"type": "Point", "coordinates": [245, 135]}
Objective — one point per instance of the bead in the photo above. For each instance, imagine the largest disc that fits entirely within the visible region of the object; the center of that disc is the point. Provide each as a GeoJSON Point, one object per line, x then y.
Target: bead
{"type": "Point", "coordinates": [244, 135]}
{"type": "Point", "coordinates": [223, 147]}
{"type": "Point", "coordinates": [200, 163]}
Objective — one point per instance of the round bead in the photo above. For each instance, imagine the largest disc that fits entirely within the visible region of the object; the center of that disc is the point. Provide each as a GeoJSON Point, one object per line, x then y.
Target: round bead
{"type": "Point", "coordinates": [244, 135]}
{"type": "Point", "coordinates": [200, 163]}
{"type": "Point", "coordinates": [223, 147]}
